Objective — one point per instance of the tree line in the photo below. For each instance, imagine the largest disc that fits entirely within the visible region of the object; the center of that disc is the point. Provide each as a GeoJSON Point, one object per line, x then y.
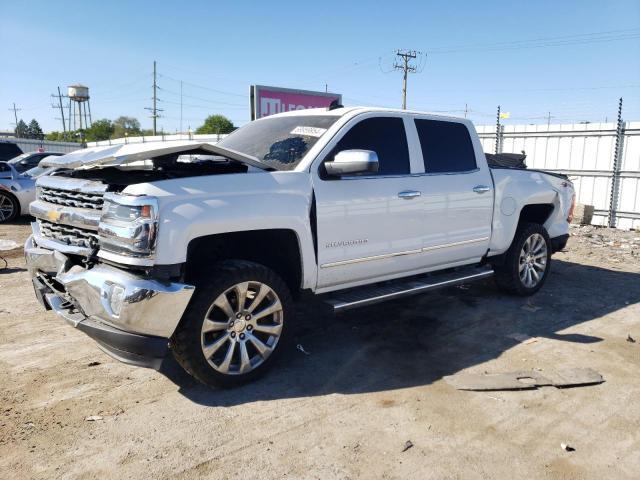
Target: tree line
{"type": "Point", "coordinates": [105, 129]}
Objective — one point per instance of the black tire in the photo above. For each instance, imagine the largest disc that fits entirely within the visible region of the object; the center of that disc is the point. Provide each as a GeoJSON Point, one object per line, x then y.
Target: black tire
{"type": "Point", "coordinates": [189, 341]}
{"type": "Point", "coordinates": [9, 207]}
{"type": "Point", "coordinates": [507, 274]}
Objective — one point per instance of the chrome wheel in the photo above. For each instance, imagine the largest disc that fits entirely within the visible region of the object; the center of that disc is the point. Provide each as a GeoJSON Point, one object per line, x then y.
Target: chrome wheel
{"type": "Point", "coordinates": [242, 328]}
{"type": "Point", "coordinates": [533, 260]}
{"type": "Point", "coordinates": [7, 208]}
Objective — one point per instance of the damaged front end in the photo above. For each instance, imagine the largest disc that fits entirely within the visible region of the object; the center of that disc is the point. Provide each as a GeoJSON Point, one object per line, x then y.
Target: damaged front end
{"type": "Point", "coordinates": [91, 254]}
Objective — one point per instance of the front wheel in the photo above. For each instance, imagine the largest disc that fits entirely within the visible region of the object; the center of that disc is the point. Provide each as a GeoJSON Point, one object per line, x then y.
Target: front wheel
{"type": "Point", "coordinates": [9, 207]}
{"type": "Point", "coordinates": [527, 262]}
{"type": "Point", "coordinates": [234, 325]}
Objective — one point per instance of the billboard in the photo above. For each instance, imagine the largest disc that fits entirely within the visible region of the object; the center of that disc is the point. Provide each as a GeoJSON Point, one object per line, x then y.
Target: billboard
{"type": "Point", "coordinates": [267, 101]}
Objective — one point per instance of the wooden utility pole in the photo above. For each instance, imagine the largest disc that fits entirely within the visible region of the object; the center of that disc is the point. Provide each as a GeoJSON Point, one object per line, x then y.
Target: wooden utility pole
{"type": "Point", "coordinates": [406, 67]}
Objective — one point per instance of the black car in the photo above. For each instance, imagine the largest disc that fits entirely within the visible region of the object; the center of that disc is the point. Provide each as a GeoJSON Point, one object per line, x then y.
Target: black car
{"type": "Point", "coordinates": [27, 161]}
{"type": "Point", "coordinates": [9, 150]}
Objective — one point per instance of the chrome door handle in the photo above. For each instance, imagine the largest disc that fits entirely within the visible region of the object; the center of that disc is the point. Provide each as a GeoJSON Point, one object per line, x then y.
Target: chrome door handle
{"type": "Point", "coordinates": [409, 194]}
{"type": "Point", "coordinates": [481, 189]}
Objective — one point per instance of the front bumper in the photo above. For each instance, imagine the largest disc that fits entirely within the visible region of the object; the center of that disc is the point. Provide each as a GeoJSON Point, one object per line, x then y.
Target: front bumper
{"type": "Point", "coordinates": [131, 317]}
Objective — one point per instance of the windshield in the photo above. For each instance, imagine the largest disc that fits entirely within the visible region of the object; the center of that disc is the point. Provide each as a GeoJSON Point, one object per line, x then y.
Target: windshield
{"type": "Point", "coordinates": [279, 142]}
{"type": "Point", "coordinates": [19, 157]}
{"type": "Point", "coordinates": [36, 171]}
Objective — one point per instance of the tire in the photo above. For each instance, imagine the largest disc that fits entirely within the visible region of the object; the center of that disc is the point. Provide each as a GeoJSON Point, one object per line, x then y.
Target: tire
{"type": "Point", "coordinates": [530, 252]}
{"type": "Point", "coordinates": [9, 207]}
{"type": "Point", "coordinates": [221, 340]}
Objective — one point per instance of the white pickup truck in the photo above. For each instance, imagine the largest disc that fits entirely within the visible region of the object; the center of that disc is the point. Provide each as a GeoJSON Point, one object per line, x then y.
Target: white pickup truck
{"type": "Point", "coordinates": [199, 248]}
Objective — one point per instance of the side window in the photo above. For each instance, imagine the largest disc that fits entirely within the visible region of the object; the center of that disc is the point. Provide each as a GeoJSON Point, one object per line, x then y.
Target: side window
{"type": "Point", "coordinates": [446, 146]}
{"type": "Point", "coordinates": [385, 136]}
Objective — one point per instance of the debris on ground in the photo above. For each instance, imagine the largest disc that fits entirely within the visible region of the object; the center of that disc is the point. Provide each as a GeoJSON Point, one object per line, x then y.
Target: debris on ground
{"type": "Point", "coordinates": [524, 380]}
{"type": "Point", "coordinates": [567, 448]}
{"type": "Point", "coordinates": [407, 445]}
{"type": "Point", "coordinates": [93, 364]}
{"type": "Point", "coordinates": [301, 348]}
{"type": "Point", "coordinates": [94, 418]}
{"type": "Point", "coordinates": [607, 244]}
{"type": "Point", "coordinates": [530, 307]}
{"type": "Point", "coordinates": [630, 339]}
{"type": "Point", "coordinates": [6, 245]}
{"type": "Point", "coordinates": [523, 338]}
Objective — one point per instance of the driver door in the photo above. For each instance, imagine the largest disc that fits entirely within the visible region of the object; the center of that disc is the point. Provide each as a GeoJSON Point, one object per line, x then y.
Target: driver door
{"type": "Point", "coordinates": [368, 226]}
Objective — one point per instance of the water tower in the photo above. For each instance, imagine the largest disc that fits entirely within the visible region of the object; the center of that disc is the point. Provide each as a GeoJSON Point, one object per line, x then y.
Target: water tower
{"type": "Point", "coordinates": [79, 118]}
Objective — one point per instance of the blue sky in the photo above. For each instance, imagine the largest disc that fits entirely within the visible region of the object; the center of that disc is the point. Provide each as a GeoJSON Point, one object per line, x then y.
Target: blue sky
{"type": "Point", "coordinates": [529, 57]}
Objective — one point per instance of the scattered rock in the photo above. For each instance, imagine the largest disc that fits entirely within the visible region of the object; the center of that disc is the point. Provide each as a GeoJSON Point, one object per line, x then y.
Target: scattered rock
{"type": "Point", "coordinates": [530, 307]}
{"type": "Point", "coordinates": [407, 445]}
{"type": "Point", "coordinates": [93, 364]}
{"type": "Point", "coordinates": [630, 339]}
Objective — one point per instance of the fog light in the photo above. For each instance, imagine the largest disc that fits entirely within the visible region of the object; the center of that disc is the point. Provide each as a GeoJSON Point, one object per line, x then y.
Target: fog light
{"type": "Point", "coordinates": [116, 298]}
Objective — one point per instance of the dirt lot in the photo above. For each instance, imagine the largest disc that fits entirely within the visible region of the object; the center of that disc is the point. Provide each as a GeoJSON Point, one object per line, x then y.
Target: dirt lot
{"type": "Point", "coordinates": [372, 380]}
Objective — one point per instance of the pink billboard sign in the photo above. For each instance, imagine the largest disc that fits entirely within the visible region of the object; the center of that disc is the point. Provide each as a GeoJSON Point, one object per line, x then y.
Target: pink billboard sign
{"type": "Point", "coordinates": [267, 101]}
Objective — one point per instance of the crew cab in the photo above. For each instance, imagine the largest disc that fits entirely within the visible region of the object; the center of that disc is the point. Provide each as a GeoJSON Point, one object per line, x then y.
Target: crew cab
{"type": "Point", "coordinates": [199, 248]}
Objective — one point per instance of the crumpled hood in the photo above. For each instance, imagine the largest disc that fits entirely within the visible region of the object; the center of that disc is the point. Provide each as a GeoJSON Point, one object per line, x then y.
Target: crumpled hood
{"type": "Point", "coordinates": [114, 155]}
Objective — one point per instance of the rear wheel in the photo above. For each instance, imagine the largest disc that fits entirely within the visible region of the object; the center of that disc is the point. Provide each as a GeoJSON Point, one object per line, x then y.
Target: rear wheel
{"type": "Point", "coordinates": [234, 325]}
{"type": "Point", "coordinates": [9, 207]}
{"type": "Point", "coordinates": [527, 262]}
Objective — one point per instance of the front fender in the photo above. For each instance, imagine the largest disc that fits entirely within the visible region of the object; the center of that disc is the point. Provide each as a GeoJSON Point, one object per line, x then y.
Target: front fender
{"type": "Point", "coordinates": [208, 205]}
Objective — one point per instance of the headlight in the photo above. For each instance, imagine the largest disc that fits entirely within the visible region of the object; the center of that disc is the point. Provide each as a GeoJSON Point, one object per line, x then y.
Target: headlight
{"type": "Point", "coordinates": [128, 225]}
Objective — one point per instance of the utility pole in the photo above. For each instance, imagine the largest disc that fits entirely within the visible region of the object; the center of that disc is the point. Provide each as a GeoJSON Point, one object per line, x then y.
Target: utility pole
{"type": "Point", "coordinates": [498, 131]}
{"type": "Point", "coordinates": [180, 106]}
{"type": "Point", "coordinates": [549, 117]}
{"type": "Point", "coordinates": [59, 105]}
{"type": "Point", "coordinates": [466, 110]}
{"type": "Point", "coordinates": [15, 114]}
{"type": "Point", "coordinates": [154, 110]}
{"type": "Point", "coordinates": [406, 67]}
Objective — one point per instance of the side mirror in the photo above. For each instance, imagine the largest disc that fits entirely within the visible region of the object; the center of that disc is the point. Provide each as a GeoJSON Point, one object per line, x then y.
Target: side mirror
{"type": "Point", "coordinates": [349, 162]}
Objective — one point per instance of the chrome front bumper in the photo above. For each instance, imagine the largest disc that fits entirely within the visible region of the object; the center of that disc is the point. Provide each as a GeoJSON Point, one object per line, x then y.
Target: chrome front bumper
{"type": "Point", "coordinates": [108, 303]}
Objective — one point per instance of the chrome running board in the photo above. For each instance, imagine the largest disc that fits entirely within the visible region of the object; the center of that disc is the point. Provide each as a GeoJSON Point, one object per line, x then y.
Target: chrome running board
{"type": "Point", "coordinates": [369, 295]}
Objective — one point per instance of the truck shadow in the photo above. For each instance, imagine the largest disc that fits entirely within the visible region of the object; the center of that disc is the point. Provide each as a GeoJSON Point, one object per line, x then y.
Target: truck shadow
{"type": "Point", "coordinates": [418, 340]}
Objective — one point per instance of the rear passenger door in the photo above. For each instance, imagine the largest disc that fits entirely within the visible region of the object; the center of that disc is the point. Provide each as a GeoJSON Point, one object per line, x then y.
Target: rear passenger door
{"type": "Point", "coordinates": [368, 226]}
{"type": "Point", "coordinates": [457, 194]}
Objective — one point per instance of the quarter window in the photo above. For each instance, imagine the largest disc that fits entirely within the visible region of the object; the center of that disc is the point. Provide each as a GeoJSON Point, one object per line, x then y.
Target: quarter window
{"type": "Point", "coordinates": [385, 136]}
{"type": "Point", "coordinates": [446, 146]}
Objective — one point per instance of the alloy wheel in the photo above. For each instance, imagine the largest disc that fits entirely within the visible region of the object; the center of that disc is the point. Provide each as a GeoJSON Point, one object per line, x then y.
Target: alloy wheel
{"type": "Point", "coordinates": [7, 208]}
{"type": "Point", "coordinates": [242, 328]}
{"type": "Point", "coordinates": [533, 260]}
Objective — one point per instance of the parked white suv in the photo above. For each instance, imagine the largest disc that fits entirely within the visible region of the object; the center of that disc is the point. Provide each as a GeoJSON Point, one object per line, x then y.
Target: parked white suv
{"type": "Point", "coordinates": [144, 251]}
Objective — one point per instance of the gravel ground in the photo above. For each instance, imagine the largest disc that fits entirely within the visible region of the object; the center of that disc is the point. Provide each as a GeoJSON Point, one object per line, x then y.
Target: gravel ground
{"type": "Point", "coordinates": [372, 381]}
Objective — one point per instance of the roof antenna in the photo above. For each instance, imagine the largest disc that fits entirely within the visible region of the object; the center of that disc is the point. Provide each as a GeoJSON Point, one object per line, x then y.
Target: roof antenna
{"type": "Point", "coordinates": [335, 104]}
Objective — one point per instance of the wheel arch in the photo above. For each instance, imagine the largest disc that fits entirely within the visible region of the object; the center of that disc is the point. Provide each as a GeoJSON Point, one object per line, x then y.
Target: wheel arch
{"type": "Point", "coordinates": [277, 249]}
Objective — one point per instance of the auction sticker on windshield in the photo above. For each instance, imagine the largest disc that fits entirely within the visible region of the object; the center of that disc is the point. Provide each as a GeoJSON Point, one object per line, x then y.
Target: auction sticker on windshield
{"type": "Point", "coordinates": [308, 131]}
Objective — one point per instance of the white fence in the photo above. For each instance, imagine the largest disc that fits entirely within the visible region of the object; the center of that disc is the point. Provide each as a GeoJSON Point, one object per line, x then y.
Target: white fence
{"type": "Point", "coordinates": [31, 145]}
{"type": "Point", "coordinates": [605, 175]}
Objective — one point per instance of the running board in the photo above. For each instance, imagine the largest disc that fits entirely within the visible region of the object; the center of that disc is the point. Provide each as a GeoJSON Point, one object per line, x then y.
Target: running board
{"type": "Point", "coordinates": [369, 295]}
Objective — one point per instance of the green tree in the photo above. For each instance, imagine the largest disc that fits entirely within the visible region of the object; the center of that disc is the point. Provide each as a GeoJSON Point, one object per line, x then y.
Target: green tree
{"type": "Point", "coordinates": [22, 131]}
{"type": "Point", "coordinates": [34, 130]}
{"type": "Point", "coordinates": [216, 124]}
{"type": "Point", "coordinates": [100, 130]}
{"type": "Point", "coordinates": [126, 125]}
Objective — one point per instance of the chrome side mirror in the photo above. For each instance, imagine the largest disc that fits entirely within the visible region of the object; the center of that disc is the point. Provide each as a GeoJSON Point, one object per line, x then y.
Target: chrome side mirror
{"type": "Point", "coordinates": [350, 162]}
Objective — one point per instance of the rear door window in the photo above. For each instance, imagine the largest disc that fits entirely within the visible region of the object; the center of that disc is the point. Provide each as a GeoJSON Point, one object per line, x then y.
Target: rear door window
{"type": "Point", "coordinates": [385, 136]}
{"type": "Point", "coordinates": [446, 146]}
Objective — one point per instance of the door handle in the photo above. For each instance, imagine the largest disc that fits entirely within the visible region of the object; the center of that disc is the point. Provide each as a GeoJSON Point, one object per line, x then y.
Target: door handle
{"type": "Point", "coordinates": [481, 189]}
{"type": "Point", "coordinates": [409, 194]}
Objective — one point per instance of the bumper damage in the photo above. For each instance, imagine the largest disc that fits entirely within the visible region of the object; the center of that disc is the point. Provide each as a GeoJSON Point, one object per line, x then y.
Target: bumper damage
{"type": "Point", "coordinates": [129, 316]}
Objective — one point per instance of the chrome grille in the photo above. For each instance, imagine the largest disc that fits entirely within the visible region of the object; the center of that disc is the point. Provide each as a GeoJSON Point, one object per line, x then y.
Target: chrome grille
{"type": "Point", "coordinates": [77, 237]}
{"type": "Point", "coordinates": [71, 199]}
